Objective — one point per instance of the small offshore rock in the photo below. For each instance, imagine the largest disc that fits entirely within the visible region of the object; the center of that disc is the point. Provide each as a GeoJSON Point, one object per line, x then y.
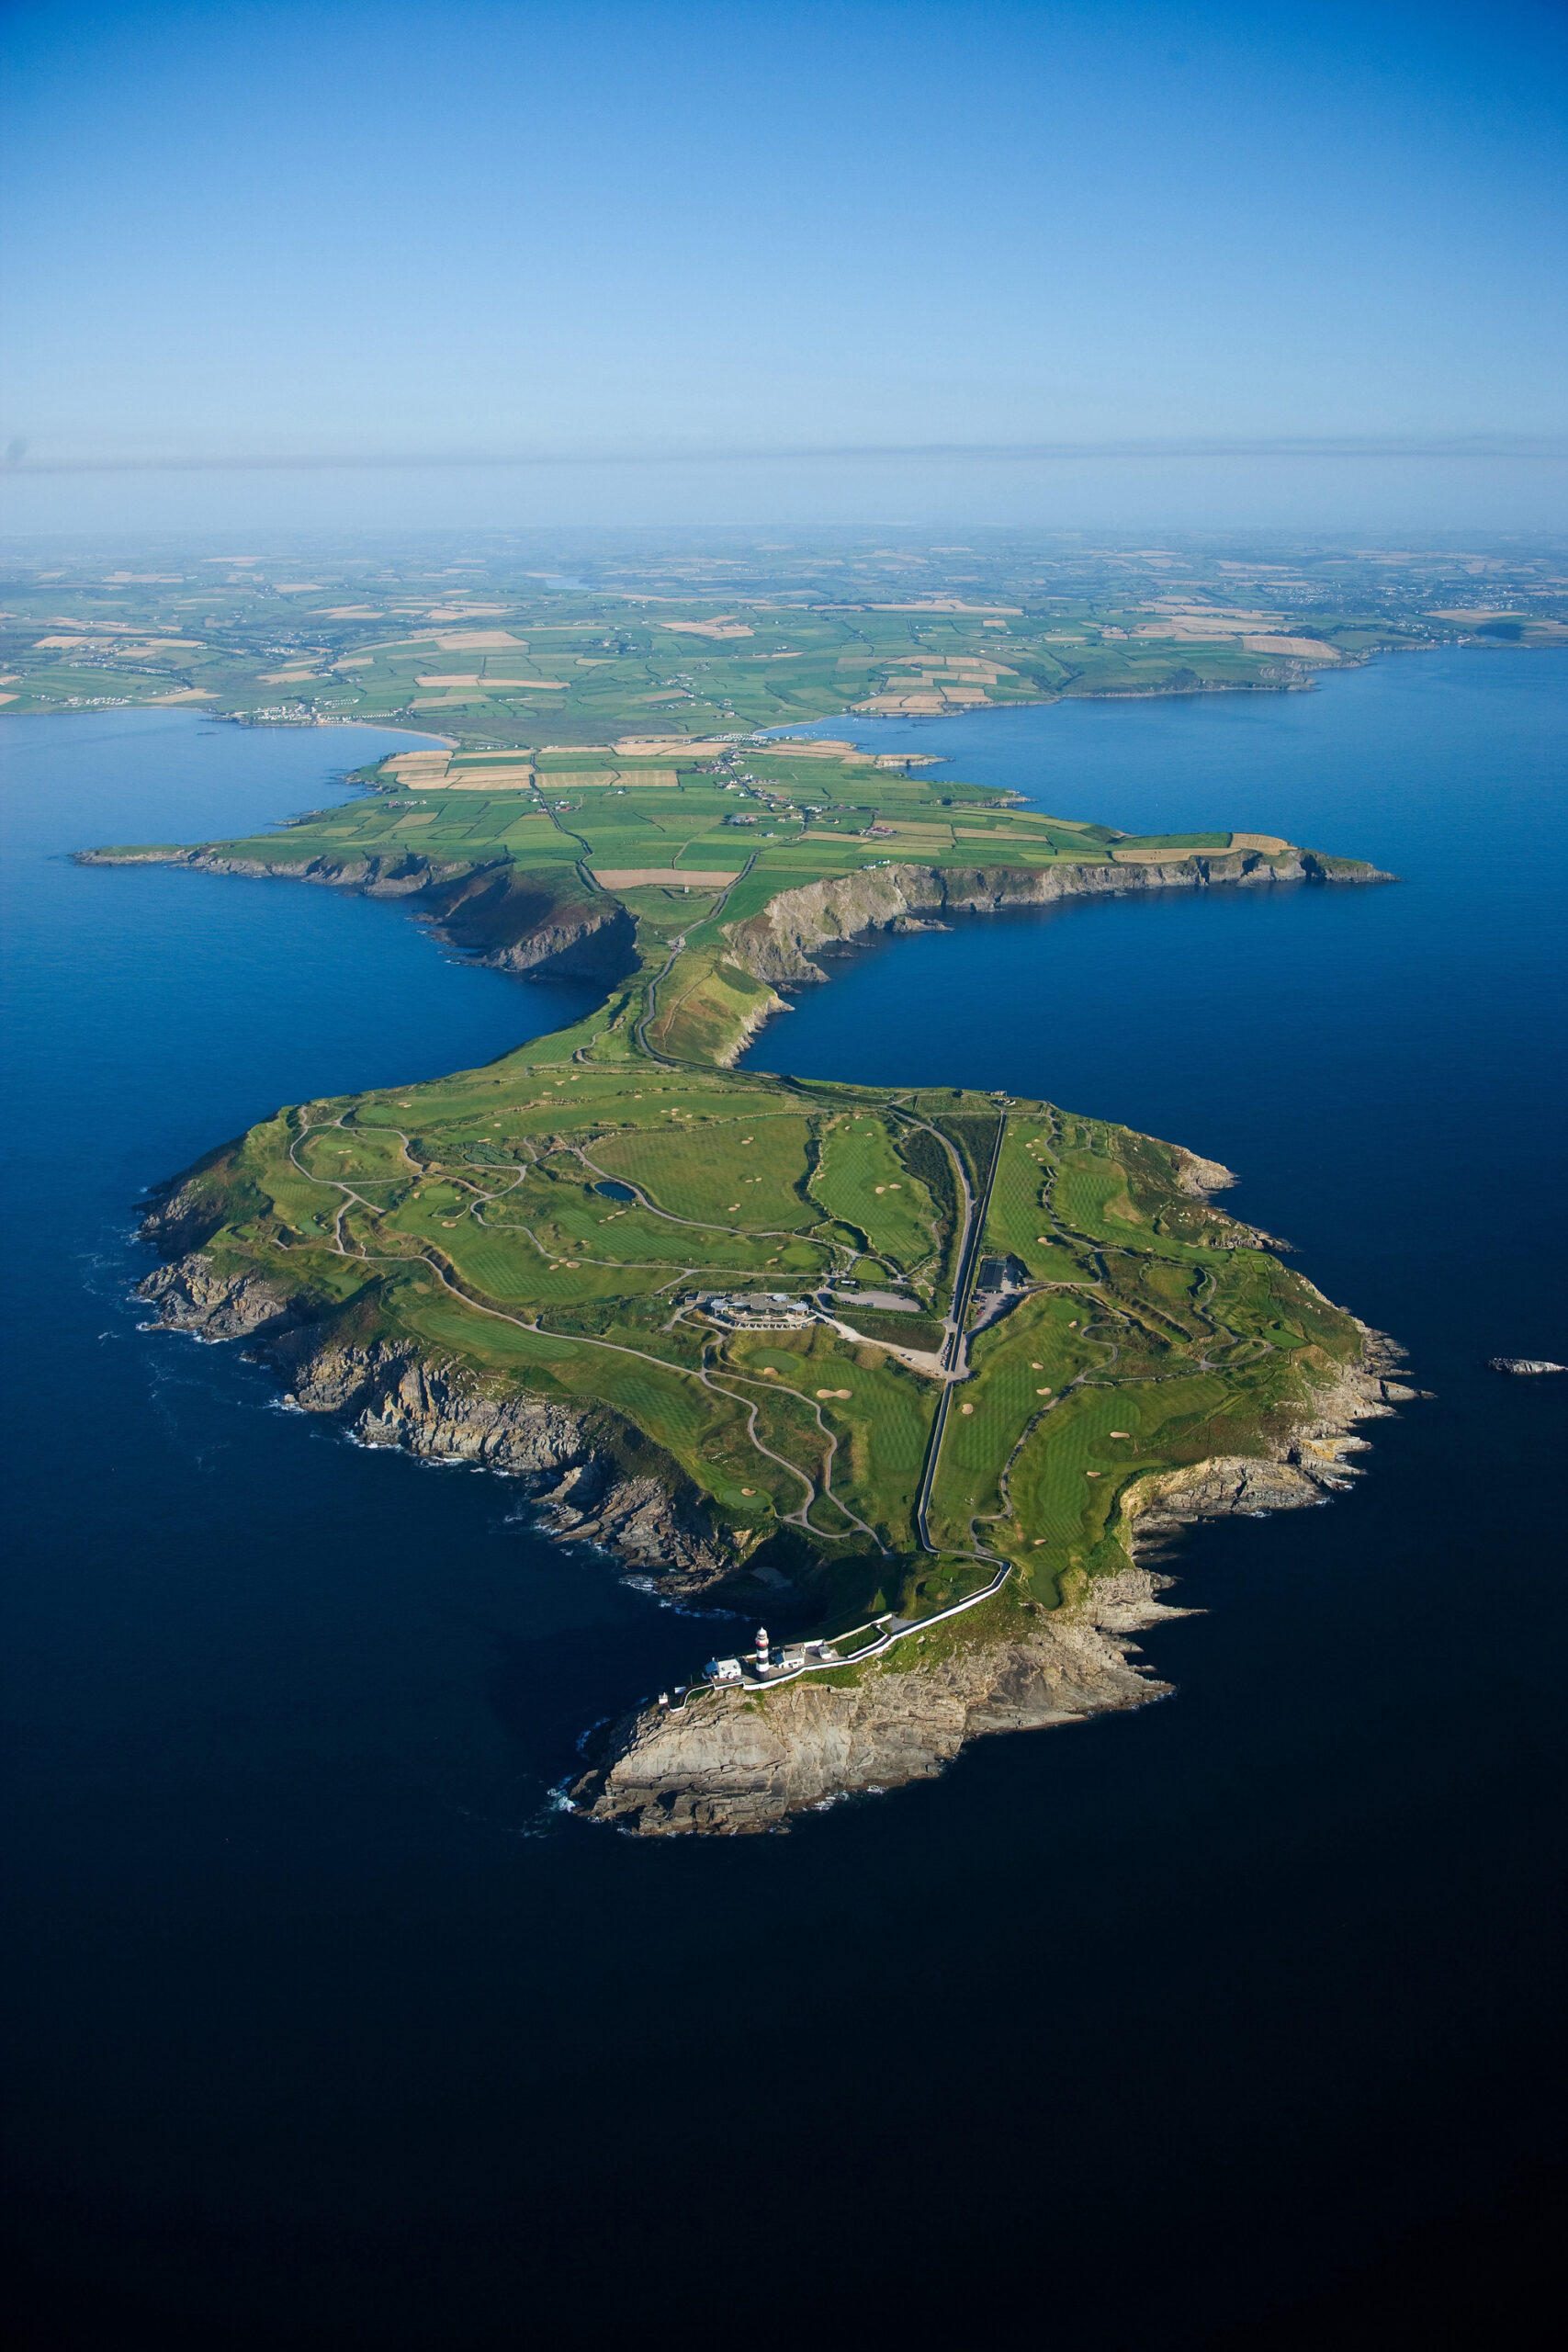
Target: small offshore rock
{"type": "Point", "coordinates": [1523, 1364]}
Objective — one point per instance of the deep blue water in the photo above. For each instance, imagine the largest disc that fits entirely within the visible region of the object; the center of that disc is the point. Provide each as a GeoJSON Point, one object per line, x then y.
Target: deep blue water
{"type": "Point", "coordinates": [1206, 2025]}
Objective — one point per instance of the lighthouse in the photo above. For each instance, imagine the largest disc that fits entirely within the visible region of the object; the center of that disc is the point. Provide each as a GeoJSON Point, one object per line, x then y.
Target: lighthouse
{"type": "Point", "coordinates": [762, 1649]}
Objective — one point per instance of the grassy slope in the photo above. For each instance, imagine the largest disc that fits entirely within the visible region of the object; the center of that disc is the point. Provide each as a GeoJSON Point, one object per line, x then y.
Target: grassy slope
{"type": "Point", "coordinates": [595, 668]}
{"type": "Point", "coordinates": [470, 1214]}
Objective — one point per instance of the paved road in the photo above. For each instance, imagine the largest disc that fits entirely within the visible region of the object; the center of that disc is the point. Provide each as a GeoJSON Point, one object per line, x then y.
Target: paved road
{"type": "Point", "coordinates": [956, 1354]}
{"type": "Point", "coordinates": [650, 1000]}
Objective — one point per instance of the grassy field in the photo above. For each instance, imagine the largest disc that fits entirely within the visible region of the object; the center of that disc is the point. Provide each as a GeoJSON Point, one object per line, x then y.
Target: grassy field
{"type": "Point", "coordinates": [557, 1220]}
{"type": "Point", "coordinates": [490, 655]}
{"type": "Point", "coordinates": [486, 1215]}
{"type": "Point", "coordinates": [561, 837]}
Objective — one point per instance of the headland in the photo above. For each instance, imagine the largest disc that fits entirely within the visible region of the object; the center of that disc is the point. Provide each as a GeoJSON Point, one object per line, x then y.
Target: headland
{"type": "Point", "coordinates": [919, 1377]}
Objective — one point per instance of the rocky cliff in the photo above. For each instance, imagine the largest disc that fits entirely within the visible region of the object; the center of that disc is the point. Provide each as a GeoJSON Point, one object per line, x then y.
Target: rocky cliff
{"type": "Point", "coordinates": [581, 1467]}
{"type": "Point", "coordinates": [731, 1762]}
{"type": "Point", "coordinates": [552, 924]}
{"type": "Point", "coordinates": [728, 1763]}
{"type": "Point", "coordinates": [777, 944]}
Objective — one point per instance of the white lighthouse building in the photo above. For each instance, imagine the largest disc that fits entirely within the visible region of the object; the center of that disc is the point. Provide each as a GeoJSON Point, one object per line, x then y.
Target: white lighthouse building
{"type": "Point", "coordinates": [762, 1649]}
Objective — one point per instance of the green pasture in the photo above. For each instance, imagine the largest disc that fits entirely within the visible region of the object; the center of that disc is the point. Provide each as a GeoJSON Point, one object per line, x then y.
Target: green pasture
{"type": "Point", "coordinates": [1018, 1215]}
{"type": "Point", "coordinates": [356, 1155]}
{"type": "Point", "coordinates": [882, 1425]}
{"type": "Point", "coordinates": [862, 1180]}
{"type": "Point", "coordinates": [1071, 1473]}
{"type": "Point", "coordinates": [1092, 1195]}
{"type": "Point", "coordinates": [750, 1171]}
{"type": "Point", "coordinates": [755, 1177]}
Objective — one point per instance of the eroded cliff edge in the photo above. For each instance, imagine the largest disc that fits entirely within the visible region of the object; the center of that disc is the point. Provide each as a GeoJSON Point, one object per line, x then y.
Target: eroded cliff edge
{"type": "Point", "coordinates": [592, 1476]}
{"type": "Point", "coordinates": [547, 922]}
{"type": "Point", "coordinates": [731, 1763]}
{"type": "Point", "coordinates": [777, 945]}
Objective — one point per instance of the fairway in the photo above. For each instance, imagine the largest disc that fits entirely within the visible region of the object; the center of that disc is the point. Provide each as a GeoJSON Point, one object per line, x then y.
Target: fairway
{"type": "Point", "coordinates": [761, 1290]}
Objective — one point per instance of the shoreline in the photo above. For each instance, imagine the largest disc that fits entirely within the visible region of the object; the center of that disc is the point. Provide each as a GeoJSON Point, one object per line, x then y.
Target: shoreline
{"type": "Point", "coordinates": [737, 1762]}
{"type": "Point", "coordinates": [1010, 1661]}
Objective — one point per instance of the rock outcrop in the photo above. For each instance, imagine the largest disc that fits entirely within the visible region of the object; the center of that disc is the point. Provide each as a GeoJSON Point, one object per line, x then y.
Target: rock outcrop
{"type": "Point", "coordinates": [518, 920]}
{"type": "Point", "coordinates": [388, 1392]}
{"type": "Point", "coordinates": [730, 1763]}
{"type": "Point", "coordinates": [192, 1296]}
{"type": "Point", "coordinates": [522, 922]}
{"type": "Point", "coordinates": [777, 944]}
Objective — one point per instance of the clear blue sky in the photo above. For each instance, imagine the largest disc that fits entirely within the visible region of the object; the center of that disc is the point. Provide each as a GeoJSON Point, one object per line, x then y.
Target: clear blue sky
{"type": "Point", "coordinates": [703, 260]}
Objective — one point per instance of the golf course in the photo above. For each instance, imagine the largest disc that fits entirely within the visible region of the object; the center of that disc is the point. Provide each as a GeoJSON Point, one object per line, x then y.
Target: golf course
{"type": "Point", "coordinates": [840, 1349]}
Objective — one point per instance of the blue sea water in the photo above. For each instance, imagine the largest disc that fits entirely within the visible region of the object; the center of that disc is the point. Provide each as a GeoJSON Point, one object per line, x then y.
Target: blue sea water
{"type": "Point", "coordinates": [1204, 2025]}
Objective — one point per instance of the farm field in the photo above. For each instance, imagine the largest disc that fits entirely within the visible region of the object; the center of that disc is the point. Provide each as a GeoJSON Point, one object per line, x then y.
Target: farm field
{"type": "Point", "coordinates": [798, 1308]}
{"type": "Point", "coordinates": [565, 1218]}
{"type": "Point", "coordinates": [637, 650]}
{"type": "Point", "coordinates": [837, 1351]}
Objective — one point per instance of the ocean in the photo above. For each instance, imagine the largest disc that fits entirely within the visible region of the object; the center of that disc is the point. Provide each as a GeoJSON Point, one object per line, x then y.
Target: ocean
{"type": "Point", "coordinates": [1231, 2021]}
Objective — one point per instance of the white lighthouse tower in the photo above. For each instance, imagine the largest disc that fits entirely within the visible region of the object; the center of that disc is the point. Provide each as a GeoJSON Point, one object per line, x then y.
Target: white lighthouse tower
{"type": "Point", "coordinates": [762, 1649]}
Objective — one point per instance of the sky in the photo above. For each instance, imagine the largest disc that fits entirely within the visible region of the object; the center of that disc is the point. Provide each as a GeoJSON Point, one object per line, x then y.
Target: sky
{"type": "Point", "coordinates": [632, 261]}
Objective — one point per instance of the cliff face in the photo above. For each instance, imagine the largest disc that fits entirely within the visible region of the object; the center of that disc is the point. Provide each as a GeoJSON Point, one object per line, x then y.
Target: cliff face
{"type": "Point", "coordinates": [520, 922]}
{"type": "Point", "coordinates": [730, 1764]}
{"type": "Point", "coordinates": [397, 875]}
{"type": "Point", "coordinates": [776, 945]}
{"type": "Point", "coordinates": [524, 922]}
{"type": "Point", "coordinates": [390, 1393]}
